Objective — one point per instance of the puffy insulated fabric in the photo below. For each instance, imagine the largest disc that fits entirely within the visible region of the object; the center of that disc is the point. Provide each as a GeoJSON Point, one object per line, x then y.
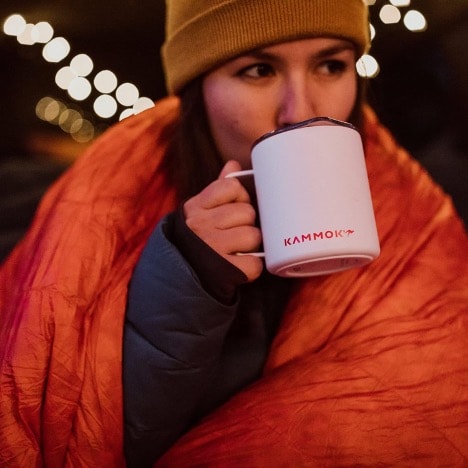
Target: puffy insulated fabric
{"type": "Point", "coordinates": [63, 295]}
{"type": "Point", "coordinates": [369, 366]}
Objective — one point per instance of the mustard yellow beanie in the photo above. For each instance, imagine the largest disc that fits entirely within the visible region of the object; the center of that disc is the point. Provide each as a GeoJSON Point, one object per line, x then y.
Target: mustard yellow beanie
{"type": "Point", "coordinates": [202, 34]}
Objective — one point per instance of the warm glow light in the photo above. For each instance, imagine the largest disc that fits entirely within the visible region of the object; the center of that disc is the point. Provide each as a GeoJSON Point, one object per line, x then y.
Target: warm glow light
{"type": "Point", "coordinates": [56, 50]}
{"type": "Point", "coordinates": [127, 94]}
{"type": "Point", "coordinates": [142, 104]}
{"type": "Point", "coordinates": [49, 109]}
{"type": "Point", "coordinates": [370, 2]}
{"type": "Point", "coordinates": [79, 88]}
{"type": "Point", "coordinates": [72, 78]}
{"type": "Point", "coordinates": [105, 106]}
{"type": "Point", "coordinates": [41, 107]}
{"type": "Point", "coordinates": [105, 81]}
{"type": "Point", "coordinates": [13, 25]}
{"type": "Point", "coordinates": [82, 65]}
{"type": "Point", "coordinates": [82, 131]}
{"type": "Point", "coordinates": [42, 32]}
{"type": "Point", "coordinates": [367, 66]}
{"type": "Point", "coordinates": [68, 118]}
{"type": "Point", "coordinates": [76, 125]}
{"type": "Point", "coordinates": [64, 77]}
{"type": "Point", "coordinates": [25, 37]}
{"type": "Point", "coordinates": [372, 32]}
{"type": "Point", "coordinates": [126, 113]}
{"type": "Point", "coordinates": [390, 14]}
{"type": "Point", "coordinates": [400, 3]}
{"type": "Point", "coordinates": [415, 21]}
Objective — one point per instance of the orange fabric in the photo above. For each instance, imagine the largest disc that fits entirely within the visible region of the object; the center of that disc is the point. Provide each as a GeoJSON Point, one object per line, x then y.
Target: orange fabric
{"type": "Point", "coordinates": [369, 365]}
{"type": "Point", "coordinates": [63, 295]}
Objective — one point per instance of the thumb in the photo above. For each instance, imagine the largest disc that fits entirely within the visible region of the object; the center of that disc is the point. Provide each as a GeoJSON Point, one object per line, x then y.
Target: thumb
{"type": "Point", "coordinates": [230, 166]}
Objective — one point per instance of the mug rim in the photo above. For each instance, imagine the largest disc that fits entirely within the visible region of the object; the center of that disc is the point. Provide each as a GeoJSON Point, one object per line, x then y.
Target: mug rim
{"type": "Point", "coordinates": [305, 123]}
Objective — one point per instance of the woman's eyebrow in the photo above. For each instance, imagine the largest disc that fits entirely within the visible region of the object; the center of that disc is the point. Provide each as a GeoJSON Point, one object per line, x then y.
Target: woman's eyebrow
{"type": "Point", "coordinates": [262, 54]}
{"type": "Point", "coordinates": [333, 50]}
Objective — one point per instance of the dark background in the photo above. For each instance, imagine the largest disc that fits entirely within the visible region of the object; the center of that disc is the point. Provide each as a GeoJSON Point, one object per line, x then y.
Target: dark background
{"type": "Point", "coordinates": [421, 92]}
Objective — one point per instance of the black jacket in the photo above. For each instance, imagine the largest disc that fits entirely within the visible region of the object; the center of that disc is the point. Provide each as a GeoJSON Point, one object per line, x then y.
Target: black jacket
{"type": "Point", "coordinates": [189, 344]}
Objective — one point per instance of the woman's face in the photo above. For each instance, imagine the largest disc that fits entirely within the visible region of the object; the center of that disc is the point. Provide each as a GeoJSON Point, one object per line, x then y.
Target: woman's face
{"type": "Point", "coordinates": [275, 86]}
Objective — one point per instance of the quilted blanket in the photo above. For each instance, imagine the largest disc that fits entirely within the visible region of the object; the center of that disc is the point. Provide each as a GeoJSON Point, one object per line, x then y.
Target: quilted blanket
{"type": "Point", "coordinates": [369, 366]}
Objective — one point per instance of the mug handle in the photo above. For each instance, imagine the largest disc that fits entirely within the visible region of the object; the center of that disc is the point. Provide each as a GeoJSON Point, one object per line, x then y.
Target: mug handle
{"type": "Point", "coordinates": [240, 174]}
{"type": "Point", "coordinates": [245, 173]}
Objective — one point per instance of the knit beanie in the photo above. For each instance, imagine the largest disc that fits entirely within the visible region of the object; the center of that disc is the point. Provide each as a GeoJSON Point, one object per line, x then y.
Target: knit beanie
{"type": "Point", "coordinates": [203, 34]}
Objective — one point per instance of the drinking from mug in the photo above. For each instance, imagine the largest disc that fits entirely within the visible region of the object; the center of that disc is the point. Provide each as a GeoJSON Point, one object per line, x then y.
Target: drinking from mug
{"type": "Point", "coordinates": [314, 201]}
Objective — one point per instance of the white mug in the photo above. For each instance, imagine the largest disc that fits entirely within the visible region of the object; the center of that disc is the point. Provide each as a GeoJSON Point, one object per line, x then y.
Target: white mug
{"type": "Point", "coordinates": [314, 202]}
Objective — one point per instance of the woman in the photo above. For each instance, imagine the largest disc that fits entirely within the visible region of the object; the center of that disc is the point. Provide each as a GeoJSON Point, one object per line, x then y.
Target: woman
{"type": "Point", "coordinates": [355, 355]}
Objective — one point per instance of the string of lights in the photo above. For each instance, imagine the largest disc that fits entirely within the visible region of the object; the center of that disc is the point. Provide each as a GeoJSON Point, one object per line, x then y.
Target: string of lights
{"type": "Point", "coordinates": [77, 80]}
{"type": "Point", "coordinates": [391, 12]}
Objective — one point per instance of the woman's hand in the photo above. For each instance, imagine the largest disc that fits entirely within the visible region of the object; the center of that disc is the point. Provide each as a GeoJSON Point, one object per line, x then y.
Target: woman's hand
{"type": "Point", "coordinates": [223, 217]}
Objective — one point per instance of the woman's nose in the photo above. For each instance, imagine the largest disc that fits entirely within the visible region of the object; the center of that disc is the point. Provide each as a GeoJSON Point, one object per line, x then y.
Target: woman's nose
{"type": "Point", "coordinates": [295, 103]}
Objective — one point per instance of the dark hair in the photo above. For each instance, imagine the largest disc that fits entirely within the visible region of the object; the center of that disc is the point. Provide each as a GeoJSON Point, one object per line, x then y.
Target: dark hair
{"type": "Point", "coordinates": [192, 146]}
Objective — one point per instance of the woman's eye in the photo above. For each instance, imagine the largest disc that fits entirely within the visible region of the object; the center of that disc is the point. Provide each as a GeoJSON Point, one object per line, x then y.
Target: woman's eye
{"type": "Point", "coordinates": [334, 67]}
{"type": "Point", "coordinates": [259, 70]}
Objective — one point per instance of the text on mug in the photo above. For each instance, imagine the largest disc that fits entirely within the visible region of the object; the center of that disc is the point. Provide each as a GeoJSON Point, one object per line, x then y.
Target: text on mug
{"type": "Point", "coordinates": [310, 237]}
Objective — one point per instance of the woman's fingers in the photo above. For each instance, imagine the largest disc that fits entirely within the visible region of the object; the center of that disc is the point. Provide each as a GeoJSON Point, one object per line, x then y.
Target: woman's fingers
{"type": "Point", "coordinates": [222, 216]}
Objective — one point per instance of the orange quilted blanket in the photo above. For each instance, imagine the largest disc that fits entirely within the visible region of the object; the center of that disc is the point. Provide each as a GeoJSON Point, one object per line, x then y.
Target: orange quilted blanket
{"type": "Point", "coordinates": [369, 367]}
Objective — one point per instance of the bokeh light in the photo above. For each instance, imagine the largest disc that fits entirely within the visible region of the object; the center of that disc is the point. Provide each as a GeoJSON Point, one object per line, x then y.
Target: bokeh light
{"type": "Point", "coordinates": [69, 118]}
{"type": "Point", "coordinates": [82, 64]}
{"type": "Point", "coordinates": [367, 66]}
{"type": "Point", "coordinates": [25, 37]}
{"type": "Point", "coordinates": [390, 14]}
{"type": "Point", "coordinates": [42, 32]}
{"type": "Point", "coordinates": [82, 131]}
{"type": "Point", "coordinates": [79, 88]}
{"type": "Point", "coordinates": [64, 77]}
{"type": "Point", "coordinates": [126, 113]}
{"type": "Point", "coordinates": [49, 109]}
{"type": "Point", "coordinates": [127, 94]}
{"type": "Point", "coordinates": [105, 81]}
{"type": "Point", "coordinates": [56, 50]}
{"type": "Point", "coordinates": [14, 24]}
{"type": "Point", "coordinates": [415, 21]}
{"type": "Point", "coordinates": [105, 106]}
{"type": "Point", "coordinates": [400, 3]}
{"type": "Point", "coordinates": [142, 104]}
